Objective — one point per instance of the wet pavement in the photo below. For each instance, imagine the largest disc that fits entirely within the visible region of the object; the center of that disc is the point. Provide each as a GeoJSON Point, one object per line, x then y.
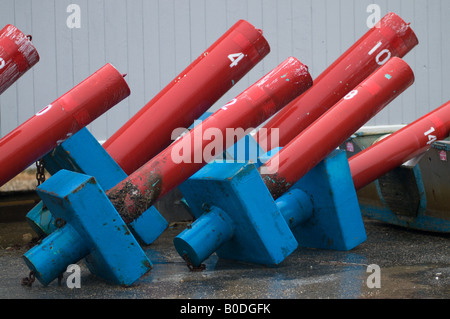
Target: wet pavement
{"type": "Point", "coordinates": [413, 265]}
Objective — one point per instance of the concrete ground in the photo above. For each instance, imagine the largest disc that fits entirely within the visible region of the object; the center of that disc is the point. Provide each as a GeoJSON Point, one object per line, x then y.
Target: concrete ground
{"type": "Point", "coordinates": [413, 265]}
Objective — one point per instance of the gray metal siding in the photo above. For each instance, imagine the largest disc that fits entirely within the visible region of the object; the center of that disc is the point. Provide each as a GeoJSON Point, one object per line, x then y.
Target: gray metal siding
{"type": "Point", "coordinates": [154, 40]}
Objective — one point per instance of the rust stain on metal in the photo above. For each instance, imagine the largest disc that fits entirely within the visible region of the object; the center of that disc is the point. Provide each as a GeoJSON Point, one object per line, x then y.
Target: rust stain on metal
{"type": "Point", "coordinates": [147, 264]}
{"type": "Point", "coordinates": [276, 185]}
{"type": "Point", "coordinates": [130, 202]}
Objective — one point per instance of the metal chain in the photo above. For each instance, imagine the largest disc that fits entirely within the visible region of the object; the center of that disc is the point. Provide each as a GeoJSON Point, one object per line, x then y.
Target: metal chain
{"type": "Point", "coordinates": [28, 281]}
{"type": "Point", "coordinates": [40, 171]}
{"type": "Point", "coordinates": [191, 266]}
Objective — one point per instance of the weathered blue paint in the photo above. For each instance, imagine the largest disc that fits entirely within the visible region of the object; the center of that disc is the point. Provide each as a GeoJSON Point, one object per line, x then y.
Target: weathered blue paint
{"type": "Point", "coordinates": [221, 192]}
{"type": "Point", "coordinates": [322, 208]}
{"type": "Point", "coordinates": [51, 258]}
{"type": "Point", "coordinates": [41, 220]}
{"type": "Point", "coordinates": [213, 229]}
{"type": "Point", "coordinates": [93, 230]}
{"type": "Point", "coordinates": [327, 211]}
{"type": "Point", "coordinates": [320, 211]}
{"type": "Point", "coordinates": [83, 154]}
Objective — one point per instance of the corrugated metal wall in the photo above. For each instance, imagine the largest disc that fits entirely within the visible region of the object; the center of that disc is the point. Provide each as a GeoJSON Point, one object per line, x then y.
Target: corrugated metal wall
{"type": "Point", "coordinates": [154, 40]}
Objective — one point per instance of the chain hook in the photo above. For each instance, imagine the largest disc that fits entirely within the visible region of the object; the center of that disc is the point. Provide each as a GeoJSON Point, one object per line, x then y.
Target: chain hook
{"type": "Point", "coordinates": [28, 281]}
{"type": "Point", "coordinates": [40, 171]}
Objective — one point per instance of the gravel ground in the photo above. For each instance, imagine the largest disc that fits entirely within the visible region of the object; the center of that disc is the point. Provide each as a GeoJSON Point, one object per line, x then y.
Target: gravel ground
{"type": "Point", "coordinates": [413, 265]}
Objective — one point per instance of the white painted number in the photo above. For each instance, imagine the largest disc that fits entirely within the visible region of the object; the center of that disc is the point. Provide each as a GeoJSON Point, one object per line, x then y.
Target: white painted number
{"type": "Point", "coordinates": [385, 52]}
{"type": "Point", "coordinates": [2, 63]}
{"type": "Point", "coordinates": [351, 95]}
{"type": "Point", "coordinates": [375, 48]}
{"type": "Point", "coordinates": [235, 58]}
{"type": "Point", "coordinates": [431, 138]}
{"type": "Point", "coordinates": [388, 56]}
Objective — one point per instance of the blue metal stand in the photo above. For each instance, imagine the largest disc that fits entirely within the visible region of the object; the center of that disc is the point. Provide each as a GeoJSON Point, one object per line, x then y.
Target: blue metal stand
{"type": "Point", "coordinates": [322, 208]}
{"type": "Point", "coordinates": [93, 230]}
{"type": "Point", "coordinates": [83, 154]}
{"type": "Point", "coordinates": [237, 218]}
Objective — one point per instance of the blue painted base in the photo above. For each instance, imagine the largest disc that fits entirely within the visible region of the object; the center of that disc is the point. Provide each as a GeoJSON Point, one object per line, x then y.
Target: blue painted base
{"type": "Point", "coordinates": [321, 211]}
{"type": "Point", "coordinates": [336, 221]}
{"type": "Point", "coordinates": [83, 154]}
{"type": "Point", "coordinates": [41, 220]}
{"type": "Point", "coordinates": [94, 230]}
{"type": "Point", "coordinates": [259, 232]}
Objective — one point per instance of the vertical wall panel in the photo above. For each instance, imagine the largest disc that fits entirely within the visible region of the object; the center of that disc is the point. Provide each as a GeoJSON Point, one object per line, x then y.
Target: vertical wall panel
{"type": "Point", "coordinates": [445, 49]}
{"type": "Point", "coordinates": [135, 70]}
{"type": "Point", "coordinates": [302, 31]}
{"type": "Point", "coordinates": [216, 19]}
{"type": "Point", "coordinates": [43, 24]}
{"type": "Point", "coordinates": [64, 49]}
{"type": "Point", "coordinates": [236, 10]}
{"type": "Point", "coordinates": [408, 98]}
{"type": "Point", "coordinates": [319, 37]}
{"type": "Point", "coordinates": [97, 55]}
{"type": "Point", "coordinates": [347, 24]}
{"type": "Point", "coordinates": [197, 28]}
{"type": "Point", "coordinates": [255, 17]}
{"type": "Point", "coordinates": [153, 40]}
{"type": "Point", "coordinates": [166, 41]}
{"type": "Point", "coordinates": [285, 30]}
{"type": "Point", "coordinates": [333, 31]}
{"type": "Point", "coordinates": [116, 49]}
{"type": "Point", "coordinates": [269, 27]}
{"type": "Point", "coordinates": [421, 58]}
{"type": "Point", "coordinates": [434, 55]}
{"type": "Point", "coordinates": [151, 49]}
{"type": "Point", "coordinates": [80, 40]}
{"type": "Point", "coordinates": [182, 39]}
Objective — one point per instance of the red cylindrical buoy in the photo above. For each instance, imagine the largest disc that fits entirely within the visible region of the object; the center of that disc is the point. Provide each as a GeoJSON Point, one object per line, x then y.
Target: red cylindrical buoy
{"type": "Point", "coordinates": [59, 120]}
{"type": "Point", "coordinates": [17, 56]}
{"type": "Point", "coordinates": [336, 125]}
{"type": "Point", "coordinates": [188, 96]}
{"type": "Point", "coordinates": [391, 37]}
{"type": "Point", "coordinates": [403, 145]}
{"type": "Point", "coordinates": [187, 155]}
